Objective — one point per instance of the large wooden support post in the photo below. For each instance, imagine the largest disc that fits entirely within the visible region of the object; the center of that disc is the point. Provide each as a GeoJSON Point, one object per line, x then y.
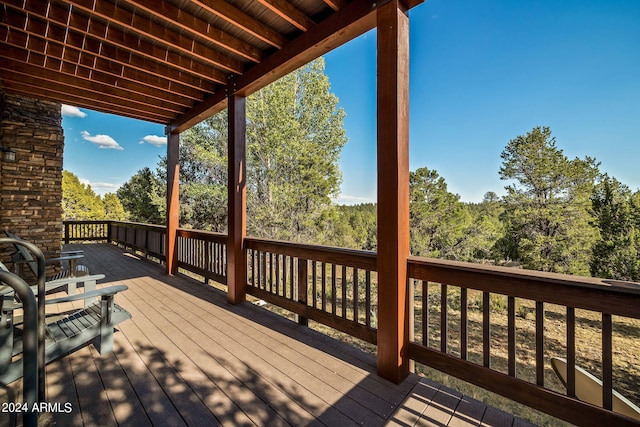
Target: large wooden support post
{"type": "Point", "coordinates": [237, 202]}
{"type": "Point", "coordinates": [173, 201]}
{"type": "Point", "coordinates": [393, 190]}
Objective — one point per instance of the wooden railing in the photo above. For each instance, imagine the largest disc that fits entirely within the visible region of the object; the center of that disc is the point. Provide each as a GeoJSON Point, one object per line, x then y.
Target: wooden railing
{"type": "Point", "coordinates": [203, 253]}
{"type": "Point", "coordinates": [146, 238]}
{"type": "Point", "coordinates": [448, 293]}
{"type": "Point", "coordinates": [486, 325]}
{"type": "Point", "coordinates": [335, 287]}
{"type": "Point", "coordinates": [75, 231]}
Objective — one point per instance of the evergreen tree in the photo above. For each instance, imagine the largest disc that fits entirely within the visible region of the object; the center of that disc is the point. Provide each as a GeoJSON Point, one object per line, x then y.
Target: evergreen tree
{"type": "Point", "coordinates": [295, 134]}
{"type": "Point", "coordinates": [437, 218]}
{"type": "Point", "coordinates": [113, 209]}
{"type": "Point", "coordinates": [143, 197]}
{"type": "Point", "coordinates": [546, 214]}
{"type": "Point", "coordinates": [616, 254]}
{"type": "Point", "coordinates": [79, 202]}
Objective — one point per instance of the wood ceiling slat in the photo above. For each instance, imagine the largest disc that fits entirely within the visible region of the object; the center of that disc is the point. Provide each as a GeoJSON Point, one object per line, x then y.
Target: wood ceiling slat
{"type": "Point", "coordinates": [168, 78]}
{"type": "Point", "coordinates": [354, 19]}
{"type": "Point", "coordinates": [198, 27]}
{"type": "Point", "coordinates": [145, 27]}
{"type": "Point", "coordinates": [37, 89]}
{"type": "Point", "coordinates": [95, 68]}
{"type": "Point", "coordinates": [289, 13]}
{"type": "Point", "coordinates": [243, 21]}
{"type": "Point", "coordinates": [36, 66]}
{"type": "Point", "coordinates": [335, 4]}
{"type": "Point", "coordinates": [113, 36]}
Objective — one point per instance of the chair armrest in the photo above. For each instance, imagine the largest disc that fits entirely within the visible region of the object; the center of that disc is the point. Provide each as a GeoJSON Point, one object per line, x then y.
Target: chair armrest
{"type": "Point", "coordinates": [111, 290]}
{"type": "Point", "coordinates": [64, 258]}
{"type": "Point", "coordinates": [77, 279]}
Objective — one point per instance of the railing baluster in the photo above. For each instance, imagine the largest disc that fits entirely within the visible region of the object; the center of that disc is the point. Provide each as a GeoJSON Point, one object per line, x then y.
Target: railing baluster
{"type": "Point", "coordinates": [367, 297]}
{"type": "Point", "coordinates": [355, 295]}
{"type": "Point", "coordinates": [464, 323]}
{"type": "Point", "coordinates": [540, 343]}
{"type": "Point", "coordinates": [571, 352]}
{"type": "Point", "coordinates": [302, 288]}
{"type": "Point", "coordinates": [292, 277]}
{"type": "Point", "coordinates": [486, 329]}
{"type": "Point", "coordinates": [425, 313]}
{"type": "Point", "coordinates": [344, 291]}
{"type": "Point", "coordinates": [334, 288]}
{"type": "Point", "coordinates": [607, 361]}
{"type": "Point", "coordinates": [511, 335]}
{"type": "Point", "coordinates": [314, 288]}
{"type": "Point", "coordinates": [277, 272]}
{"type": "Point", "coordinates": [324, 287]}
{"type": "Point", "coordinates": [444, 318]}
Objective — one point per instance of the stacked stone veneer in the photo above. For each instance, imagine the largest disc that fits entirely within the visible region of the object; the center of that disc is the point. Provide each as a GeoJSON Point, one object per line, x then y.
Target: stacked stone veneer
{"type": "Point", "coordinates": [31, 187]}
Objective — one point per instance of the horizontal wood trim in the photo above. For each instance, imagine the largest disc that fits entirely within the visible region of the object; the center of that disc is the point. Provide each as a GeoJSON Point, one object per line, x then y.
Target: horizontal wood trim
{"type": "Point", "coordinates": [545, 400]}
{"type": "Point", "coordinates": [351, 258]}
{"type": "Point", "coordinates": [355, 19]}
{"type": "Point", "coordinates": [140, 226]}
{"type": "Point", "coordinates": [601, 295]}
{"type": "Point", "coordinates": [243, 21]}
{"type": "Point", "coordinates": [25, 85]}
{"type": "Point", "coordinates": [347, 326]}
{"type": "Point", "coordinates": [202, 272]}
{"type": "Point", "coordinates": [199, 28]}
{"type": "Point", "coordinates": [88, 66]}
{"type": "Point", "coordinates": [146, 28]}
{"type": "Point", "coordinates": [206, 236]}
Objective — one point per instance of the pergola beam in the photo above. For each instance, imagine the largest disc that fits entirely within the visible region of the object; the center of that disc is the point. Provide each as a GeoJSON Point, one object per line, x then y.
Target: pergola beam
{"type": "Point", "coordinates": [355, 19]}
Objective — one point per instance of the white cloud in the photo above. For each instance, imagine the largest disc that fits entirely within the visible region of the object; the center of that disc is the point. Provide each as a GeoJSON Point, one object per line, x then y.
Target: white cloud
{"type": "Point", "coordinates": [101, 188]}
{"type": "Point", "coordinates": [102, 141]}
{"type": "Point", "coordinates": [345, 199]}
{"type": "Point", "coordinates": [154, 140]}
{"type": "Point", "coordinates": [69, 111]}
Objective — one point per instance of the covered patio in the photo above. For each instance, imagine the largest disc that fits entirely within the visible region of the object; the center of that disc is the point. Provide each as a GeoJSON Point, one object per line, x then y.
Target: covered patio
{"type": "Point", "coordinates": [187, 357]}
{"type": "Point", "coordinates": [193, 355]}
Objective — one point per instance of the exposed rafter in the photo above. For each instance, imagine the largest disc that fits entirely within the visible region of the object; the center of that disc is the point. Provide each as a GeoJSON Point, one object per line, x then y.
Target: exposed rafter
{"type": "Point", "coordinates": [173, 62]}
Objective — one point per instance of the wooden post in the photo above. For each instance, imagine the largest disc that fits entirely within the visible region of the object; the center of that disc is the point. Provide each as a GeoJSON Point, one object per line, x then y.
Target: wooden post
{"type": "Point", "coordinates": [237, 203]}
{"type": "Point", "coordinates": [393, 190]}
{"type": "Point", "coordinates": [173, 202]}
{"type": "Point", "coordinates": [302, 289]}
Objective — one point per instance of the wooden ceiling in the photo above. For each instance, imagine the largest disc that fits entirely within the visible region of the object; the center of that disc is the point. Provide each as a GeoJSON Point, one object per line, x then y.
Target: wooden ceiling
{"type": "Point", "coordinates": [172, 62]}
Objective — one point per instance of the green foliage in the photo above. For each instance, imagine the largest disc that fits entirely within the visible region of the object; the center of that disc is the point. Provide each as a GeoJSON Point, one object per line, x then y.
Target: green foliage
{"type": "Point", "coordinates": [437, 218]}
{"type": "Point", "coordinates": [355, 227]}
{"type": "Point", "coordinates": [143, 197]}
{"type": "Point", "coordinates": [295, 133]}
{"type": "Point", "coordinates": [113, 209]}
{"type": "Point", "coordinates": [616, 254]}
{"type": "Point", "coordinates": [79, 202]}
{"type": "Point", "coordinates": [546, 215]}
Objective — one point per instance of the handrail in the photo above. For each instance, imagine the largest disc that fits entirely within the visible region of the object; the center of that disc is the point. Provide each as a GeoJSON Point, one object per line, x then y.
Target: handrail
{"type": "Point", "coordinates": [31, 385]}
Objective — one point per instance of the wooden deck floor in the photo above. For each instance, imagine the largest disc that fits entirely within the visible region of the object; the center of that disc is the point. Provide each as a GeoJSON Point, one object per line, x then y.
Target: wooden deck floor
{"type": "Point", "coordinates": [187, 357]}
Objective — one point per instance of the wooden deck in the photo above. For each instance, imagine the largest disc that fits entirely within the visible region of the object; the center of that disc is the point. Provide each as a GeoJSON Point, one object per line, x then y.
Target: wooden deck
{"type": "Point", "coordinates": [187, 357]}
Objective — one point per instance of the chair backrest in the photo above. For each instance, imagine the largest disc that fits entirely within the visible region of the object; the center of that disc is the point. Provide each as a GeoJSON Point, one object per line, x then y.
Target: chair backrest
{"type": "Point", "coordinates": [24, 254]}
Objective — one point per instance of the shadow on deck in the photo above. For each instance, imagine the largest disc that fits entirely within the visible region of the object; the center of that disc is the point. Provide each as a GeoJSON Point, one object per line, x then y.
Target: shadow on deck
{"type": "Point", "coordinates": [187, 357]}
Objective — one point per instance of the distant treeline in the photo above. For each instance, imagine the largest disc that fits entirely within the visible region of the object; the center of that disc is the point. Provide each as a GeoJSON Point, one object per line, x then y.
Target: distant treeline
{"type": "Point", "coordinates": [558, 214]}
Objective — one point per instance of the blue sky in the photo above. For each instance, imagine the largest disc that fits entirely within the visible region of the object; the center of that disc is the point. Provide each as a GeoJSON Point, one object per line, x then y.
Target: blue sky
{"type": "Point", "coordinates": [481, 74]}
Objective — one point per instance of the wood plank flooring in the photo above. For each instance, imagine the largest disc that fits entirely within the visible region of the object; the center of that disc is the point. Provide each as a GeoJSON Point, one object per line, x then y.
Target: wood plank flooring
{"type": "Point", "coordinates": [188, 358]}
